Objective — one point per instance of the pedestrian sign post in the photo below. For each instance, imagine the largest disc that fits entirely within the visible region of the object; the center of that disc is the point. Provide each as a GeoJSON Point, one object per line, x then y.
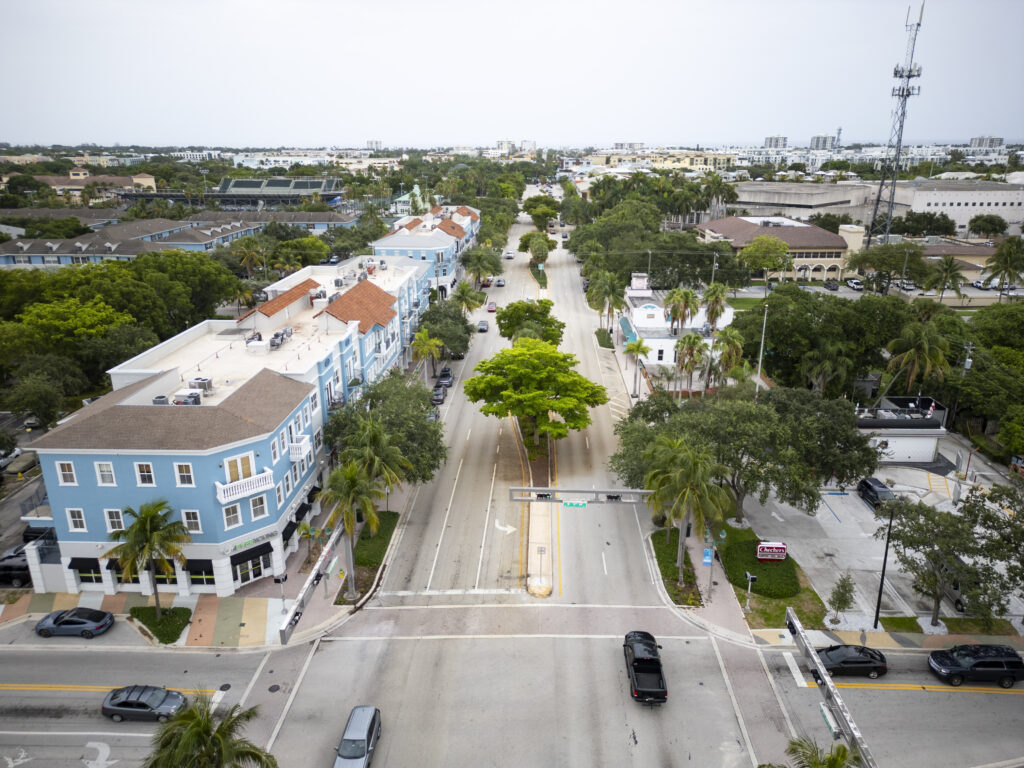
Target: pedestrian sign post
{"type": "Point", "coordinates": [707, 556]}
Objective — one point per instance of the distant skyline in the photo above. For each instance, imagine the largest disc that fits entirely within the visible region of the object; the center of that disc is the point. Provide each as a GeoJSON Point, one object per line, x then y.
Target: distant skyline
{"type": "Point", "coordinates": [309, 73]}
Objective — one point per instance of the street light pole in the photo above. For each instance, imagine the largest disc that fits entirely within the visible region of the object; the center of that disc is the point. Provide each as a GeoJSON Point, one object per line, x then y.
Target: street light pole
{"type": "Point", "coordinates": [885, 557]}
{"type": "Point", "coordinates": [760, 356]}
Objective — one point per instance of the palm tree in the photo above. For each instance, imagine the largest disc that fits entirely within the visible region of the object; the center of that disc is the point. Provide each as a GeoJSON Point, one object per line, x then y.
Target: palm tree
{"type": "Point", "coordinates": [682, 478]}
{"type": "Point", "coordinates": [348, 491]}
{"type": "Point", "coordinates": [680, 305]}
{"type": "Point", "coordinates": [475, 263]}
{"type": "Point", "coordinates": [310, 534]}
{"type": "Point", "coordinates": [806, 753]}
{"type": "Point", "coordinates": [371, 449]}
{"type": "Point", "coordinates": [729, 344]}
{"type": "Point", "coordinates": [827, 361]}
{"type": "Point", "coordinates": [637, 349]}
{"type": "Point", "coordinates": [714, 301]}
{"type": "Point", "coordinates": [287, 261]}
{"type": "Point", "coordinates": [947, 274]}
{"type": "Point", "coordinates": [605, 294]}
{"type": "Point", "coordinates": [920, 350]}
{"type": "Point", "coordinates": [195, 738]}
{"type": "Point", "coordinates": [717, 193]}
{"type": "Point", "coordinates": [151, 541]}
{"type": "Point", "coordinates": [690, 351]}
{"type": "Point", "coordinates": [1006, 265]}
{"type": "Point", "coordinates": [252, 252]}
{"type": "Point", "coordinates": [467, 297]}
{"type": "Point", "coordinates": [424, 346]}
{"type": "Point", "coordinates": [710, 370]}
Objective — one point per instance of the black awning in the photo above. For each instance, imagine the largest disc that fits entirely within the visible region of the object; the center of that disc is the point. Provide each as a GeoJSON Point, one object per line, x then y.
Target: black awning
{"type": "Point", "coordinates": [312, 493]}
{"type": "Point", "coordinates": [252, 553]}
{"type": "Point", "coordinates": [113, 565]}
{"type": "Point", "coordinates": [199, 566]}
{"type": "Point", "coordinates": [289, 529]}
{"type": "Point", "coordinates": [301, 512]}
{"type": "Point", "coordinates": [91, 564]}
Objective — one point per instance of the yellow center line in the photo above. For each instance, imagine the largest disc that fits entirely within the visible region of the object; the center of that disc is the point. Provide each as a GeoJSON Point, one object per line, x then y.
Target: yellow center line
{"type": "Point", "coordinates": [90, 688]}
{"type": "Point", "coordinates": [928, 688]}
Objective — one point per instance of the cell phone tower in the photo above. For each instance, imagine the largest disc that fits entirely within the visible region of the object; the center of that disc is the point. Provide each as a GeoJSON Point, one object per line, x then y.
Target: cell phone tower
{"type": "Point", "coordinates": [881, 217]}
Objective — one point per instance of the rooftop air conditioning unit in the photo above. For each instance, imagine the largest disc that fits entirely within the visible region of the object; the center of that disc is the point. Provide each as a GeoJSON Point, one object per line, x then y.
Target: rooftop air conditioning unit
{"type": "Point", "coordinates": [161, 400]}
{"type": "Point", "coordinates": [339, 281]}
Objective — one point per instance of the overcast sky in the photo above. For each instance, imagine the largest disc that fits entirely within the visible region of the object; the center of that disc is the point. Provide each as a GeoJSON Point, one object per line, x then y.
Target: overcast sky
{"type": "Point", "coordinates": [310, 73]}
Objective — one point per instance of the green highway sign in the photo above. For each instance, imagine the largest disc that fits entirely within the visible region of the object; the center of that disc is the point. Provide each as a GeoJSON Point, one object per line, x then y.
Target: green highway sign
{"type": "Point", "coordinates": [574, 503]}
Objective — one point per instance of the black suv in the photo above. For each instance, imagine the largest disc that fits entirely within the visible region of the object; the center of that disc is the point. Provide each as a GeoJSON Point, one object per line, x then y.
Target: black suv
{"type": "Point", "coordinates": [874, 491]}
{"type": "Point", "coordinates": [983, 663]}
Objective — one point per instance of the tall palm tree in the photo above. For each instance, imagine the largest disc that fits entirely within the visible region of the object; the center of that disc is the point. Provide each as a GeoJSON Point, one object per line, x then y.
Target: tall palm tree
{"type": "Point", "coordinates": [710, 370]}
{"type": "Point", "coordinates": [310, 534]}
{"type": "Point", "coordinates": [287, 261]}
{"type": "Point", "coordinates": [252, 252]}
{"type": "Point", "coordinates": [197, 738]}
{"type": "Point", "coordinates": [946, 275]}
{"type": "Point", "coordinates": [827, 361]}
{"type": "Point", "coordinates": [152, 540]}
{"type": "Point", "coordinates": [806, 753]}
{"type": "Point", "coordinates": [475, 262]}
{"type": "Point", "coordinates": [680, 305]}
{"type": "Point", "coordinates": [729, 346]}
{"type": "Point", "coordinates": [467, 297]}
{"type": "Point", "coordinates": [1007, 264]}
{"type": "Point", "coordinates": [919, 350]}
{"type": "Point", "coordinates": [348, 491]}
{"type": "Point", "coordinates": [371, 448]}
{"type": "Point", "coordinates": [682, 477]}
{"type": "Point", "coordinates": [717, 193]}
{"type": "Point", "coordinates": [714, 302]}
{"type": "Point", "coordinates": [605, 294]}
{"type": "Point", "coordinates": [424, 347]}
{"type": "Point", "coordinates": [690, 351]}
{"type": "Point", "coordinates": [637, 349]}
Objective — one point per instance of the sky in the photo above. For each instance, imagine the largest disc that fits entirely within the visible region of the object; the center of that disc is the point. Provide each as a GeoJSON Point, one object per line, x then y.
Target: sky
{"type": "Point", "coordinates": [562, 73]}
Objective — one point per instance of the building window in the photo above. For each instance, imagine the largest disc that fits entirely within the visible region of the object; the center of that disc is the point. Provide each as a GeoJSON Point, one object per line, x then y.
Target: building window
{"type": "Point", "coordinates": [114, 520]}
{"type": "Point", "coordinates": [66, 470]}
{"type": "Point", "coordinates": [161, 577]}
{"type": "Point", "coordinates": [259, 507]}
{"type": "Point", "coordinates": [238, 468]}
{"type": "Point", "coordinates": [192, 522]}
{"type": "Point", "coordinates": [144, 473]}
{"type": "Point", "coordinates": [200, 571]}
{"type": "Point", "coordinates": [295, 474]}
{"type": "Point", "coordinates": [287, 485]}
{"type": "Point", "coordinates": [314, 401]}
{"type": "Point", "coordinates": [661, 354]}
{"type": "Point", "coordinates": [284, 444]}
{"type": "Point", "coordinates": [88, 572]}
{"type": "Point", "coordinates": [305, 415]}
{"type": "Point", "coordinates": [252, 569]}
{"type": "Point", "coordinates": [318, 439]}
{"type": "Point", "coordinates": [273, 451]}
{"type": "Point", "coordinates": [232, 516]}
{"type": "Point", "coordinates": [279, 495]}
{"type": "Point", "coordinates": [185, 478]}
{"type": "Point", "coordinates": [105, 473]}
{"type": "Point", "coordinates": [76, 520]}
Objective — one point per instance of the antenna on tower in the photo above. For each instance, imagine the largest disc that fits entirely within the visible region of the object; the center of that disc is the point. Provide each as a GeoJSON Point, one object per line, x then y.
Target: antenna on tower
{"type": "Point", "coordinates": [881, 217]}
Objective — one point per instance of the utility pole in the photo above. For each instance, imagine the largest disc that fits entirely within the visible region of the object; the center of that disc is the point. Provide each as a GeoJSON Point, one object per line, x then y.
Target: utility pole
{"type": "Point", "coordinates": [760, 356]}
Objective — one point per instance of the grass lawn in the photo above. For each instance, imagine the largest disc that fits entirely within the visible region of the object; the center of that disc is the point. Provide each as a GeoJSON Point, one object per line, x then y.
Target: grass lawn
{"type": "Point", "coordinates": [969, 626]}
{"type": "Point", "coordinates": [370, 554]}
{"type": "Point", "coordinates": [665, 552]}
{"type": "Point", "coordinates": [899, 623]}
{"type": "Point", "coordinates": [745, 302]}
{"type": "Point", "coordinates": [539, 275]}
{"type": "Point", "coordinates": [604, 339]}
{"type": "Point", "coordinates": [770, 613]}
{"type": "Point", "coordinates": [171, 623]}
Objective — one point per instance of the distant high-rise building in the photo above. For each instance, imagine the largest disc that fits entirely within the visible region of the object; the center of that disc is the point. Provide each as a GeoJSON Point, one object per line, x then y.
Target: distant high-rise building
{"type": "Point", "coordinates": [527, 147]}
{"type": "Point", "coordinates": [374, 145]}
{"type": "Point", "coordinates": [628, 146]}
{"type": "Point", "coordinates": [775, 142]}
{"type": "Point", "coordinates": [986, 142]}
{"type": "Point", "coordinates": [823, 142]}
{"type": "Point", "coordinates": [506, 146]}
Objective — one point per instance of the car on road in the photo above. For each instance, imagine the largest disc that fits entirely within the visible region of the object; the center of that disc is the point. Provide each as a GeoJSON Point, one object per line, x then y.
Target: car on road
{"type": "Point", "coordinates": [32, 422]}
{"type": "Point", "coordinates": [456, 355]}
{"type": "Point", "coordinates": [853, 660]}
{"type": "Point", "coordinates": [831, 285]}
{"type": "Point", "coordinates": [84, 622]}
{"type": "Point", "coordinates": [492, 306]}
{"type": "Point", "coordinates": [482, 326]}
{"type": "Point", "coordinates": [978, 663]}
{"type": "Point", "coordinates": [586, 284]}
{"type": "Point", "coordinates": [9, 456]}
{"type": "Point", "coordinates": [874, 491]}
{"type": "Point", "coordinates": [510, 254]}
{"type": "Point", "coordinates": [445, 378]}
{"type": "Point", "coordinates": [500, 282]}
{"type": "Point", "coordinates": [359, 739]}
{"type": "Point", "coordinates": [643, 665]}
{"type": "Point", "coordinates": [142, 702]}
{"type": "Point", "coordinates": [855, 284]}
{"type": "Point", "coordinates": [438, 395]}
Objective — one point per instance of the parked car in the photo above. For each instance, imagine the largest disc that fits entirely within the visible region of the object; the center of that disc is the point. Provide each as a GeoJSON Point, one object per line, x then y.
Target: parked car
{"type": "Point", "coordinates": [586, 284]}
{"type": "Point", "coordinates": [500, 282]}
{"type": "Point", "coordinates": [14, 567]}
{"type": "Point", "coordinates": [434, 414]}
{"type": "Point", "coordinates": [486, 282]}
{"type": "Point", "coordinates": [981, 285]}
{"type": "Point", "coordinates": [855, 284]}
{"type": "Point", "coordinates": [565, 235]}
{"type": "Point", "coordinates": [482, 326]}
{"type": "Point", "coordinates": [456, 355]}
{"type": "Point", "coordinates": [831, 285]}
{"type": "Point", "coordinates": [981, 663]}
{"type": "Point", "coordinates": [643, 665]}
{"type": "Point", "coordinates": [85, 622]}
{"type": "Point", "coordinates": [874, 491]}
{"type": "Point", "coordinates": [510, 255]}
{"type": "Point", "coordinates": [445, 378]}
{"type": "Point", "coordinates": [438, 395]}
{"type": "Point", "coordinates": [853, 660]}
{"type": "Point", "coordinates": [142, 702]}
{"type": "Point", "coordinates": [359, 739]}
{"type": "Point", "coordinates": [492, 306]}
{"type": "Point", "coordinates": [7, 457]}
{"type": "Point", "coordinates": [32, 422]}
{"type": "Point", "coordinates": [907, 285]}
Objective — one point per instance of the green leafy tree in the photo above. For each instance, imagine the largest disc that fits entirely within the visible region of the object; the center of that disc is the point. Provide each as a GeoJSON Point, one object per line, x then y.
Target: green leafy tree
{"type": "Point", "coordinates": [151, 541]}
{"type": "Point", "coordinates": [306, 531]}
{"type": "Point", "coordinates": [467, 297]}
{"type": "Point", "coordinates": [920, 350]}
{"type": "Point", "coordinates": [682, 479]}
{"type": "Point", "coordinates": [916, 224]}
{"type": "Point", "coordinates": [826, 362]}
{"type": "Point", "coordinates": [538, 250]}
{"type": "Point", "coordinates": [767, 253]}
{"type": "Point", "coordinates": [728, 345]}
{"type": "Point", "coordinates": [36, 394]}
{"type": "Point", "coordinates": [479, 262]}
{"type": "Point", "coordinates": [891, 261]}
{"type": "Point", "coordinates": [690, 352]}
{"type": "Point", "coordinates": [197, 738]}
{"type": "Point", "coordinates": [840, 599]}
{"type": "Point", "coordinates": [830, 221]}
{"type": "Point", "coordinates": [987, 225]}
{"type": "Point", "coordinates": [536, 314]}
{"type": "Point", "coordinates": [805, 753]}
{"type": "Point", "coordinates": [714, 303]}
{"type": "Point", "coordinates": [371, 448]}
{"type": "Point", "coordinates": [605, 294]}
{"type": "Point", "coordinates": [535, 382]}
{"type": "Point", "coordinates": [1007, 264]}
{"type": "Point", "coordinates": [541, 209]}
{"type": "Point", "coordinates": [445, 320]}
{"type": "Point", "coordinates": [253, 253]}
{"type": "Point", "coordinates": [681, 304]}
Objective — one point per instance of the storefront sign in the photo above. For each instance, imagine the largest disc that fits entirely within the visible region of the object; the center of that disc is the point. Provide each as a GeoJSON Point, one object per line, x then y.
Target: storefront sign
{"type": "Point", "coordinates": [242, 545]}
{"type": "Point", "coordinates": [771, 550]}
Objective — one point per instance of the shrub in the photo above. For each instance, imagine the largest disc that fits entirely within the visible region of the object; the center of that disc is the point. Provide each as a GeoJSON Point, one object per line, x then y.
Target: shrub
{"type": "Point", "coordinates": [774, 579]}
{"type": "Point", "coordinates": [171, 623]}
{"type": "Point", "coordinates": [539, 275]}
{"type": "Point", "coordinates": [604, 339]}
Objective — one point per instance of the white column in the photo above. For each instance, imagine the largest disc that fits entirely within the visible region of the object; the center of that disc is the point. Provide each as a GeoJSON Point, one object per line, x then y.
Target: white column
{"type": "Point", "coordinates": [70, 582]}
{"type": "Point", "coordinates": [223, 578]}
{"type": "Point", "coordinates": [183, 580]}
{"type": "Point", "coordinates": [109, 579]}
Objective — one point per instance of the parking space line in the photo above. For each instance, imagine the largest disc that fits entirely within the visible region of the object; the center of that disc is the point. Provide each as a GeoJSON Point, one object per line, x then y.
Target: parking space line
{"type": "Point", "coordinates": [829, 508]}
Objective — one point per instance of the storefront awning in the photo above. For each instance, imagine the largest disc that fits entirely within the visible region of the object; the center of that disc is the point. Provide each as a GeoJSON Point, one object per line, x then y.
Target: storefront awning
{"type": "Point", "coordinates": [91, 564]}
{"type": "Point", "coordinates": [199, 566]}
{"type": "Point", "coordinates": [301, 512]}
{"type": "Point", "coordinates": [289, 529]}
{"type": "Point", "coordinates": [252, 553]}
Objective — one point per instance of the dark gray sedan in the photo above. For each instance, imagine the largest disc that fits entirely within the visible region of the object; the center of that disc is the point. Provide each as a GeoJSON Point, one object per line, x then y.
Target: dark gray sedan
{"type": "Point", "coordinates": [84, 622]}
{"type": "Point", "coordinates": [142, 702]}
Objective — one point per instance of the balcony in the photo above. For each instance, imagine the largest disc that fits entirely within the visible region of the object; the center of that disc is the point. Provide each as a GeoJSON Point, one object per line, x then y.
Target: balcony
{"type": "Point", "coordinates": [299, 448]}
{"type": "Point", "coordinates": [247, 486]}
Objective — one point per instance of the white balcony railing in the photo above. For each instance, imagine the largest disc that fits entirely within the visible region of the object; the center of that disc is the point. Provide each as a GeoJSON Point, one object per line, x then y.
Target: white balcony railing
{"type": "Point", "coordinates": [299, 448]}
{"type": "Point", "coordinates": [247, 486]}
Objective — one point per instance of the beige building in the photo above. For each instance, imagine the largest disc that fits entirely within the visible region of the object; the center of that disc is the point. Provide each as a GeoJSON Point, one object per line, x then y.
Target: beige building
{"type": "Point", "coordinates": [671, 160]}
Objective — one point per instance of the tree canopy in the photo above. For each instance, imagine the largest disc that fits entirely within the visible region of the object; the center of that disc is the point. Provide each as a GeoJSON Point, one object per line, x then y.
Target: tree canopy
{"type": "Point", "coordinates": [530, 318]}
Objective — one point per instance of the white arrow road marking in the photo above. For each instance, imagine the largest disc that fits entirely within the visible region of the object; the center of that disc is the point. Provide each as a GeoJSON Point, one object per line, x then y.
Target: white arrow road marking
{"type": "Point", "coordinates": [102, 755]}
{"type": "Point", "coordinates": [506, 529]}
{"type": "Point", "coordinates": [21, 758]}
{"type": "Point", "coordinates": [778, 517]}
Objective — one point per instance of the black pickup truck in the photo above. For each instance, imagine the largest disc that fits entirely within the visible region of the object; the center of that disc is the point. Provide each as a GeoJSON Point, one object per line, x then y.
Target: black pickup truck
{"type": "Point", "coordinates": [643, 664]}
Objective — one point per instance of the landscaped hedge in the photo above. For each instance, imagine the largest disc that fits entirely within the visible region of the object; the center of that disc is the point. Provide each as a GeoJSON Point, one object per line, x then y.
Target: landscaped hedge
{"type": "Point", "coordinates": [604, 339]}
{"type": "Point", "coordinates": [172, 621]}
{"type": "Point", "coordinates": [739, 555]}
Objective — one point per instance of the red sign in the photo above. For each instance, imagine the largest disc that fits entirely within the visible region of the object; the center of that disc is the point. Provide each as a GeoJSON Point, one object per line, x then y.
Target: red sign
{"type": "Point", "coordinates": [771, 550]}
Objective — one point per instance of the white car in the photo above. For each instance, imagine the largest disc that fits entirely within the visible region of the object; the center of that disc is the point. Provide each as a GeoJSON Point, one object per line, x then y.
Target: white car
{"type": "Point", "coordinates": [7, 458]}
{"type": "Point", "coordinates": [854, 283]}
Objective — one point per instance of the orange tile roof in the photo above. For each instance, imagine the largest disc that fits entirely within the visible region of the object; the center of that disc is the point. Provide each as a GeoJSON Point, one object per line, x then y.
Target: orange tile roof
{"type": "Point", "coordinates": [413, 224]}
{"type": "Point", "coordinates": [450, 227]}
{"type": "Point", "coordinates": [276, 304]}
{"type": "Point", "coordinates": [365, 302]}
{"type": "Point", "coordinates": [467, 212]}
{"type": "Point", "coordinates": [436, 210]}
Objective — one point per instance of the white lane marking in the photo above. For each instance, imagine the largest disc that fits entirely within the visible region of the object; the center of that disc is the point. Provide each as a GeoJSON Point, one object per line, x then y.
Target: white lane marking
{"type": "Point", "coordinates": [387, 638]}
{"type": "Point", "coordinates": [112, 735]}
{"type": "Point", "coordinates": [735, 704]}
{"type": "Point", "coordinates": [604, 564]}
{"type": "Point", "coordinates": [102, 756]}
{"type": "Point", "coordinates": [215, 699]}
{"type": "Point", "coordinates": [252, 680]}
{"type": "Point", "coordinates": [506, 529]}
{"type": "Point", "coordinates": [801, 681]}
{"type": "Point", "coordinates": [483, 537]}
{"type": "Point", "coordinates": [502, 606]}
{"type": "Point", "coordinates": [778, 517]}
{"type": "Point", "coordinates": [291, 696]}
{"type": "Point", "coordinates": [775, 690]}
{"type": "Point", "coordinates": [587, 438]}
{"type": "Point", "coordinates": [444, 524]}
{"type": "Point", "coordinates": [468, 433]}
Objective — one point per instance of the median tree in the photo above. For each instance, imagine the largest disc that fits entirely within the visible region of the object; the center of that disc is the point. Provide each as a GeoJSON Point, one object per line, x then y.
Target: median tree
{"type": "Point", "coordinates": [534, 316]}
{"type": "Point", "coordinates": [767, 253]}
{"type": "Point", "coordinates": [537, 384]}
